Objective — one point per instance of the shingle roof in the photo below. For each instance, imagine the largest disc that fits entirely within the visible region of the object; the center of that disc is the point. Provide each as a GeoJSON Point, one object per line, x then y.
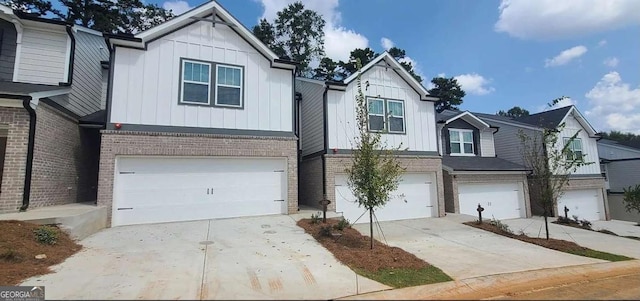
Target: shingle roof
{"type": "Point", "coordinates": [463, 163]}
{"type": "Point", "coordinates": [485, 116]}
{"type": "Point", "coordinates": [548, 119]}
{"type": "Point", "coordinates": [98, 117]}
{"type": "Point", "coordinates": [631, 144]}
{"type": "Point", "coordinates": [447, 114]}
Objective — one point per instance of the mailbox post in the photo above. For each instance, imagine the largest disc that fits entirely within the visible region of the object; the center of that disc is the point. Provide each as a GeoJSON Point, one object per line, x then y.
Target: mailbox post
{"type": "Point", "coordinates": [324, 202]}
{"type": "Point", "coordinates": [480, 209]}
{"type": "Point", "coordinates": [566, 210]}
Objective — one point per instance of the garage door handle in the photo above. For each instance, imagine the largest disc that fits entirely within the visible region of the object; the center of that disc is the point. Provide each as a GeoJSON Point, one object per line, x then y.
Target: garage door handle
{"type": "Point", "coordinates": [429, 206]}
{"type": "Point", "coordinates": [128, 208]}
{"type": "Point", "coordinates": [127, 172]}
{"type": "Point", "coordinates": [278, 200]}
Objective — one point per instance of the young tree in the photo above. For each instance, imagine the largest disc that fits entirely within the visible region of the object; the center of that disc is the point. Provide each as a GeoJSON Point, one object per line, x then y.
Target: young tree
{"type": "Point", "coordinates": [632, 199]}
{"type": "Point", "coordinates": [551, 162]}
{"type": "Point", "coordinates": [514, 112]}
{"type": "Point", "coordinates": [375, 172]}
{"type": "Point", "coordinates": [448, 91]}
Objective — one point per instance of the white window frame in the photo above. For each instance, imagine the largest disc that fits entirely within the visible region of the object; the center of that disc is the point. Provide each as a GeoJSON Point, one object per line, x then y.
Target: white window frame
{"type": "Point", "coordinates": [241, 104]}
{"type": "Point", "coordinates": [566, 140]}
{"type": "Point", "coordinates": [404, 123]}
{"type": "Point", "coordinates": [461, 142]}
{"type": "Point", "coordinates": [182, 82]}
{"type": "Point", "coordinates": [383, 115]}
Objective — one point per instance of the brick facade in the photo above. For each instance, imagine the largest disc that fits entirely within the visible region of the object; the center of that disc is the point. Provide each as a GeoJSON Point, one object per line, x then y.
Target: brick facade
{"type": "Point", "coordinates": [335, 164]}
{"type": "Point", "coordinates": [310, 184]}
{"type": "Point", "coordinates": [16, 122]}
{"type": "Point", "coordinates": [117, 143]}
{"type": "Point", "coordinates": [452, 181]}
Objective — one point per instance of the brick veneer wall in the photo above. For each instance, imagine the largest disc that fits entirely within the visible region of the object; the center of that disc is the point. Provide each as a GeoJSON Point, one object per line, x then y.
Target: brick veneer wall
{"type": "Point", "coordinates": [16, 120]}
{"type": "Point", "coordinates": [336, 164]}
{"type": "Point", "coordinates": [115, 143]}
{"type": "Point", "coordinates": [311, 182]}
{"type": "Point", "coordinates": [453, 197]}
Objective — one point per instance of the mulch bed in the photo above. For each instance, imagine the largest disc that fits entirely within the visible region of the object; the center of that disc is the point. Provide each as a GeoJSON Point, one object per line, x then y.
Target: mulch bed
{"type": "Point", "coordinates": [353, 249]}
{"type": "Point", "coordinates": [18, 248]}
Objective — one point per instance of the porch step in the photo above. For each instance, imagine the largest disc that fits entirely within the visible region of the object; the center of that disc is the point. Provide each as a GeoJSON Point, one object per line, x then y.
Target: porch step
{"type": "Point", "coordinates": [78, 219]}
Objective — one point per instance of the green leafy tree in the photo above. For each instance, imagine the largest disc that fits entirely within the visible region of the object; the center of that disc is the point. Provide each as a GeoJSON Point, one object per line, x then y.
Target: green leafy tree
{"type": "Point", "coordinates": [632, 199]}
{"type": "Point", "coordinates": [400, 55]}
{"type": "Point", "coordinates": [349, 67]}
{"type": "Point", "coordinates": [38, 7]}
{"type": "Point", "coordinates": [514, 112]}
{"type": "Point", "coordinates": [375, 172]}
{"type": "Point", "coordinates": [300, 33]}
{"type": "Point", "coordinates": [551, 161]}
{"type": "Point", "coordinates": [449, 93]}
{"type": "Point", "coordinates": [266, 33]}
{"type": "Point", "coordinates": [327, 70]}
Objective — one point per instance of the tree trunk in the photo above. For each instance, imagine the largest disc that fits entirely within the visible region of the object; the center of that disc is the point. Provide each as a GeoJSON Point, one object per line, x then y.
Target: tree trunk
{"type": "Point", "coordinates": [371, 225]}
{"type": "Point", "coordinates": [546, 224]}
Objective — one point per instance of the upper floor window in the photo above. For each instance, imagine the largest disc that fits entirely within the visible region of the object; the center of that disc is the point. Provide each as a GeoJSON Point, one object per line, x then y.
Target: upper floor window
{"type": "Point", "coordinates": [574, 149]}
{"type": "Point", "coordinates": [196, 86]}
{"type": "Point", "coordinates": [386, 114]}
{"type": "Point", "coordinates": [461, 142]}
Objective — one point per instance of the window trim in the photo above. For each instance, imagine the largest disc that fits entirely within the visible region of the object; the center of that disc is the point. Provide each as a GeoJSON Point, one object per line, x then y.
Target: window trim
{"type": "Point", "coordinates": [241, 87]}
{"type": "Point", "coordinates": [404, 123]}
{"type": "Point", "coordinates": [582, 154]}
{"type": "Point", "coordinates": [384, 114]}
{"type": "Point", "coordinates": [385, 117]}
{"type": "Point", "coordinates": [462, 142]}
{"type": "Point", "coordinates": [183, 61]}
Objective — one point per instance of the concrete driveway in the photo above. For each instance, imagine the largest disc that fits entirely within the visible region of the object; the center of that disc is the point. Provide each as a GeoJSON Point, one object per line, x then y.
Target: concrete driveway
{"type": "Point", "coordinates": [622, 228]}
{"type": "Point", "coordinates": [243, 258]}
{"type": "Point", "coordinates": [465, 252]}
{"type": "Point", "coordinates": [598, 241]}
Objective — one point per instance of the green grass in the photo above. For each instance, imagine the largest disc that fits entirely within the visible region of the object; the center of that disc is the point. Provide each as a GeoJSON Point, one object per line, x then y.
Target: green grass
{"type": "Point", "coordinates": [405, 277]}
{"type": "Point", "coordinates": [599, 255]}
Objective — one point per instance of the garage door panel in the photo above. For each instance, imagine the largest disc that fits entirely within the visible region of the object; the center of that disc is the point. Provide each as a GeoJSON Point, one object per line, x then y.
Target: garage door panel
{"type": "Point", "coordinates": [585, 203]}
{"type": "Point", "coordinates": [499, 200]}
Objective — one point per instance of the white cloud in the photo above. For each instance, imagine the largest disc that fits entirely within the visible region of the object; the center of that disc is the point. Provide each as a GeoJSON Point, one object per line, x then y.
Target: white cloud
{"type": "Point", "coordinates": [552, 19]}
{"type": "Point", "coordinates": [474, 83]}
{"type": "Point", "coordinates": [566, 56]}
{"type": "Point", "coordinates": [338, 40]}
{"type": "Point", "coordinates": [386, 43]}
{"type": "Point", "coordinates": [614, 104]}
{"type": "Point", "coordinates": [602, 43]}
{"type": "Point", "coordinates": [611, 62]}
{"type": "Point", "coordinates": [177, 6]}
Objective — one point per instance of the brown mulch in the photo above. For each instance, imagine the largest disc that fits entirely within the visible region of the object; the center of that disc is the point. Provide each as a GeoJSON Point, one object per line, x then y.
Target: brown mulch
{"type": "Point", "coordinates": [353, 249]}
{"type": "Point", "coordinates": [551, 243]}
{"type": "Point", "coordinates": [18, 248]}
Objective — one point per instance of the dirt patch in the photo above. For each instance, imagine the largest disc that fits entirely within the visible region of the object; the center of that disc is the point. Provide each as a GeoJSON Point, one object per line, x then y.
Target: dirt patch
{"type": "Point", "coordinates": [353, 249]}
{"type": "Point", "coordinates": [18, 249]}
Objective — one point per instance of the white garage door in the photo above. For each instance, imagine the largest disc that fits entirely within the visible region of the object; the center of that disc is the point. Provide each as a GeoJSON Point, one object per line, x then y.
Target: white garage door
{"type": "Point", "coordinates": [586, 204]}
{"type": "Point", "coordinates": [415, 198]}
{"type": "Point", "coordinates": [499, 200]}
{"type": "Point", "coordinates": [166, 189]}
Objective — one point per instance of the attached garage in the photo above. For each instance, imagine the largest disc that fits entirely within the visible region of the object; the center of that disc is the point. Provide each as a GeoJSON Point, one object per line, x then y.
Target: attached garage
{"type": "Point", "coordinates": [499, 200]}
{"type": "Point", "coordinates": [169, 189]}
{"type": "Point", "coordinates": [415, 198]}
{"type": "Point", "coordinates": [585, 203]}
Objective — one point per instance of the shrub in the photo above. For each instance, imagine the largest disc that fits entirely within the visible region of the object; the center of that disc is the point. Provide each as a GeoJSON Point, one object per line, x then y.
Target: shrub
{"type": "Point", "coordinates": [315, 218]}
{"type": "Point", "coordinates": [10, 255]}
{"type": "Point", "coordinates": [585, 224]}
{"type": "Point", "coordinates": [567, 221]}
{"type": "Point", "coordinates": [325, 231]}
{"type": "Point", "coordinates": [343, 223]}
{"type": "Point", "coordinates": [502, 227]}
{"type": "Point", "coordinates": [46, 235]}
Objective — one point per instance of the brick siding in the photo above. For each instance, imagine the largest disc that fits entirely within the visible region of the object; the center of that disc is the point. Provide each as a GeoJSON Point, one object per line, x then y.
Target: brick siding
{"type": "Point", "coordinates": [117, 143]}
{"type": "Point", "coordinates": [16, 120]}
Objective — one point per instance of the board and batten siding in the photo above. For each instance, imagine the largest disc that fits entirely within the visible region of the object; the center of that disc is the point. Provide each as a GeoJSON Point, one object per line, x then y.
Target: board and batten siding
{"type": "Point", "coordinates": [146, 84]}
{"type": "Point", "coordinates": [589, 146]}
{"type": "Point", "coordinates": [420, 126]}
{"type": "Point", "coordinates": [7, 50]}
{"type": "Point", "coordinates": [312, 108]}
{"type": "Point", "coordinates": [622, 174]}
{"type": "Point", "coordinates": [507, 143]}
{"type": "Point", "coordinates": [486, 143]}
{"type": "Point", "coordinates": [606, 151]}
{"type": "Point", "coordinates": [43, 57]}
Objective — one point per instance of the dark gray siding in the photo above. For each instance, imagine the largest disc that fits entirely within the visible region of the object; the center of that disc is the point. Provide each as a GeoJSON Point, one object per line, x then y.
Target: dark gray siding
{"type": "Point", "coordinates": [460, 124]}
{"type": "Point", "coordinates": [312, 109]}
{"type": "Point", "coordinates": [86, 89]}
{"type": "Point", "coordinates": [508, 144]}
{"type": "Point", "coordinates": [622, 174]}
{"type": "Point", "coordinates": [610, 152]}
{"type": "Point", "coordinates": [7, 50]}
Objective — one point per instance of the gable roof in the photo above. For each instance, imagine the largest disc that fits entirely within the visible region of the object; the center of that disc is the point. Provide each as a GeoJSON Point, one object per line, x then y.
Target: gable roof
{"type": "Point", "coordinates": [390, 62]}
{"type": "Point", "coordinates": [464, 163]}
{"type": "Point", "coordinates": [492, 119]}
{"type": "Point", "coordinates": [449, 116]}
{"type": "Point", "coordinates": [553, 118]}
{"type": "Point", "coordinates": [630, 145]}
{"type": "Point", "coordinates": [197, 14]}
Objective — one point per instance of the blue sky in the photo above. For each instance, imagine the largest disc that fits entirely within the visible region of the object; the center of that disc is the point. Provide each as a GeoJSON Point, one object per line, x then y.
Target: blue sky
{"type": "Point", "coordinates": [504, 53]}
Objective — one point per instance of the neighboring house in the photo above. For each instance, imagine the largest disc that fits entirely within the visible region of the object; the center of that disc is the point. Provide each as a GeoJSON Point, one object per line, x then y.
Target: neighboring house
{"type": "Point", "coordinates": [201, 123]}
{"type": "Point", "coordinates": [473, 175]}
{"type": "Point", "coordinates": [400, 107]}
{"type": "Point", "coordinates": [50, 80]}
{"type": "Point", "coordinates": [620, 165]}
{"type": "Point", "coordinates": [584, 194]}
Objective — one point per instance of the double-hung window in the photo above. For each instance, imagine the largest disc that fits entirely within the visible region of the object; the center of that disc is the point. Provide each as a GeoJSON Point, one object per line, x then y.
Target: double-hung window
{"type": "Point", "coordinates": [386, 114]}
{"type": "Point", "coordinates": [395, 110]}
{"type": "Point", "coordinates": [376, 114]}
{"type": "Point", "coordinates": [196, 87]}
{"type": "Point", "coordinates": [229, 86]}
{"type": "Point", "coordinates": [461, 142]}
{"type": "Point", "coordinates": [574, 149]}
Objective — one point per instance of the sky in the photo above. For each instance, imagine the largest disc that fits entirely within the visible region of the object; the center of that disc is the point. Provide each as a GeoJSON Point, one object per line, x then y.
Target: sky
{"type": "Point", "coordinates": [504, 53]}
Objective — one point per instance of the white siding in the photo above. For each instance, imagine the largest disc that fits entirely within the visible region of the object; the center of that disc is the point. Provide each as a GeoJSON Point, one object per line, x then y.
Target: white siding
{"type": "Point", "coordinates": [43, 57]}
{"type": "Point", "coordinates": [486, 144]}
{"type": "Point", "coordinates": [612, 152]}
{"type": "Point", "coordinates": [589, 145]}
{"type": "Point", "coordinates": [146, 83]}
{"type": "Point", "coordinates": [385, 83]}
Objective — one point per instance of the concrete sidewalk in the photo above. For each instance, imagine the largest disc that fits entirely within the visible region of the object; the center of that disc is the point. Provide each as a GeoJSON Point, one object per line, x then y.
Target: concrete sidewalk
{"type": "Point", "coordinates": [501, 285]}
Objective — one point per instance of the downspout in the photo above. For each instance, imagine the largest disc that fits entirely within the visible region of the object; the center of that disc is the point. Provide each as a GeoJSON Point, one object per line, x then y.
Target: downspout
{"type": "Point", "coordinates": [72, 56]}
{"type": "Point", "coordinates": [26, 192]}
{"type": "Point", "coordinates": [326, 142]}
